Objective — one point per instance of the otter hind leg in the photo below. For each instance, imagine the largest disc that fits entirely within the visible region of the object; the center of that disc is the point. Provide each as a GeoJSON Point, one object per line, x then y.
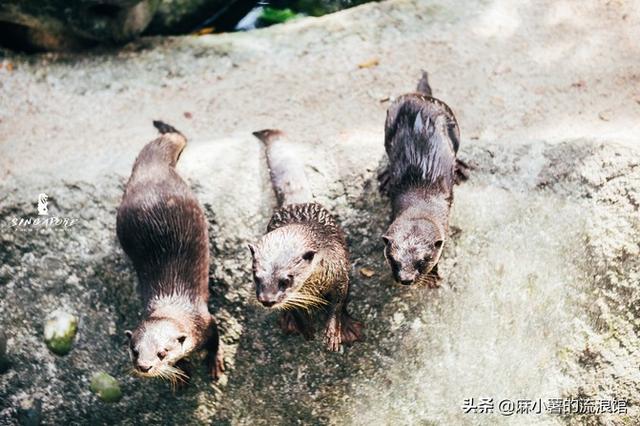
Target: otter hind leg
{"type": "Point", "coordinates": [294, 322]}
{"type": "Point", "coordinates": [215, 359]}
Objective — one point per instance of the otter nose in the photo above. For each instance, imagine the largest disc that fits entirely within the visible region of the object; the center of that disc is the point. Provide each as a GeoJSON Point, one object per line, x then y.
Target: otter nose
{"type": "Point", "coordinates": [405, 278]}
{"type": "Point", "coordinates": [267, 300]}
{"type": "Point", "coordinates": [268, 303]}
{"type": "Point", "coordinates": [144, 368]}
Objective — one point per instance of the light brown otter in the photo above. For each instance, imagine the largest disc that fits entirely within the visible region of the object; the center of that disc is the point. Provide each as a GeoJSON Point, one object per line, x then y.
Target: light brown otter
{"type": "Point", "coordinates": [302, 263]}
{"type": "Point", "coordinates": [421, 141]}
{"type": "Point", "coordinates": [163, 230]}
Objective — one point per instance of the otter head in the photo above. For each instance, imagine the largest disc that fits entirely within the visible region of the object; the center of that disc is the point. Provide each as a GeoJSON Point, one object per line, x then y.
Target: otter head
{"type": "Point", "coordinates": [412, 248]}
{"type": "Point", "coordinates": [157, 344]}
{"type": "Point", "coordinates": [282, 261]}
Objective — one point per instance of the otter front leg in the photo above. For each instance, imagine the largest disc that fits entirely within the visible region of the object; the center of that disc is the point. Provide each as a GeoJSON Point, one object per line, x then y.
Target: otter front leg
{"type": "Point", "coordinates": [341, 328]}
{"type": "Point", "coordinates": [215, 359]}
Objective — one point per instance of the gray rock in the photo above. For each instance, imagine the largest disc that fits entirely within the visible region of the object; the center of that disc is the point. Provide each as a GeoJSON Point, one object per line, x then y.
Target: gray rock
{"type": "Point", "coordinates": [541, 276]}
{"type": "Point", "coordinates": [182, 16]}
{"type": "Point", "coordinates": [53, 25]}
{"type": "Point", "coordinates": [30, 412]}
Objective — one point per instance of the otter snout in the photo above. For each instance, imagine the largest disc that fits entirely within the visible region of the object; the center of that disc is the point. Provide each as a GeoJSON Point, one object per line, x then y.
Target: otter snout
{"type": "Point", "coordinates": [143, 368]}
{"type": "Point", "coordinates": [268, 299]}
{"type": "Point", "coordinates": [406, 278]}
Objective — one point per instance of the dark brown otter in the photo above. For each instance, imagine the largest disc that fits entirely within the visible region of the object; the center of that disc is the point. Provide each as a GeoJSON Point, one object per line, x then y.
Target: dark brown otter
{"type": "Point", "coordinates": [421, 141]}
{"type": "Point", "coordinates": [163, 230]}
{"type": "Point", "coordinates": [302, 263]}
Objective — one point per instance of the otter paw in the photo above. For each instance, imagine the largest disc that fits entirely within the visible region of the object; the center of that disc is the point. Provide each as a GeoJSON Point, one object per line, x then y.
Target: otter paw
{"type": "Point", "coordinates": [293, 323]}
{"type": "Point", "coordinates": [351, 330]}
{"type": "Point", "coordinates": [333, 335]}
{"type": "Point", "coordinates": [289, 323]}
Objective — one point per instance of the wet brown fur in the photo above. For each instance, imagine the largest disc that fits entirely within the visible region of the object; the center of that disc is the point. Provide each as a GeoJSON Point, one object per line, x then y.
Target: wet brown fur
{"type": "Point", "coordinates": [163, 230]}
{"type": "Point", "coordinates": [421, 140]}
{"type": "Point", "coordinates": [316, 229]}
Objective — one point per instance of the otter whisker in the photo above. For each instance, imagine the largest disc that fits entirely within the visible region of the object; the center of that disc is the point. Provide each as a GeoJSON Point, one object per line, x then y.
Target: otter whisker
{"type": "Point", "coordinates": [299, 302]}
{"type": "Point", "coordinates": [307, 301]}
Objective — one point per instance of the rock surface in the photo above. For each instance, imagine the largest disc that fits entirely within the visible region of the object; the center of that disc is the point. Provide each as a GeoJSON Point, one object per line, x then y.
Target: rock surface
{"type": "Point", "coordinates": [540, 296]}
{"type": "Point", "coordinates": [54, 25]}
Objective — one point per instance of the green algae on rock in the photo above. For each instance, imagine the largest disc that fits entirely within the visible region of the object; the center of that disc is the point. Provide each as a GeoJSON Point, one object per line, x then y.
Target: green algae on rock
{"type": "Point", "coordinates": [59, 332]}
{"type": "Point", "coordinates": [106, 387]}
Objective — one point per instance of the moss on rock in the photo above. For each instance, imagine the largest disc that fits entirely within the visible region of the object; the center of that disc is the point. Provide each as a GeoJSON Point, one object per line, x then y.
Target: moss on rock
{"type": "Point", "coordinates": [59, 331]}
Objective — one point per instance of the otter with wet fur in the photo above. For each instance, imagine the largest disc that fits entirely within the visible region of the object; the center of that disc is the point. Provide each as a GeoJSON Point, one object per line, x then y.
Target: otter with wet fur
{"type": "Point", "coordinates": [302, 263]}
{"type": "Point", "coordinates": [163, 230]}
{"type": "Point", "coordinates": [421, 141]}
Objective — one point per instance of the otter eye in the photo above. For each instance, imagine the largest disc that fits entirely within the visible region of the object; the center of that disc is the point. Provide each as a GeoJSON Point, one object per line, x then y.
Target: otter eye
{"type": "Point", "coordinates": [181, 339]}
{"type": "Point", "coordinates": [308, 256]}
{"type": "Point", "coordinates": [285, 283]}
{"type": "Point", "coordinates": [420, 265]}
{"type": "Point", "coordinates": [439, 243]}
{"type": "Point", "coordinates": [134, 352]}
{"type": "Point", "coordinates": [162, 355]}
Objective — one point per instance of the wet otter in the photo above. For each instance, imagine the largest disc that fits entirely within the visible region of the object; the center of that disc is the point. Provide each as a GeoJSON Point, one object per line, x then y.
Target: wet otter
{"type": "Point", "coordinates": [421, 141]}
{"type": "Point", "coordinates": [163, 230]}
{"type": "Point", "coordinates": [302, 262]}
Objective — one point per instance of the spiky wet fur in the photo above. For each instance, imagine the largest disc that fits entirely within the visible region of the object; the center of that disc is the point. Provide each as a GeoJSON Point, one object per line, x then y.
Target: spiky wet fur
{"type": "Point", "coordinates": [297, 228]}
{"type": "Point", "coordinates": [421, 141]}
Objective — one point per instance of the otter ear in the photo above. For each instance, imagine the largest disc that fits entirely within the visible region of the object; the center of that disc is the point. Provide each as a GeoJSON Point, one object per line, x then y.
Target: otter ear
{"type": "Point", "coordinates": [128, 333]}
{"type": "Point", "coordinates": [386, 240]}
{"type": "Point", "coordinates": [438, 244]}
{"type": "Point", "coordinates": [308, 256]}
{"type": "Point", "coordinates": [252, 249]}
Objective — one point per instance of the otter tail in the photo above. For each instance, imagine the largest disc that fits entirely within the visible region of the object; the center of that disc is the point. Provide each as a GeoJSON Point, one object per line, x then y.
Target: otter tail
{"type": "Point", "coordinates": [165, 149]}
{"type": "Point", "coordinates": [423, 84]}
{"type": "Point", "coordinates": [164, 128]}
{"type": "Point", "coordinates": [287, 173]}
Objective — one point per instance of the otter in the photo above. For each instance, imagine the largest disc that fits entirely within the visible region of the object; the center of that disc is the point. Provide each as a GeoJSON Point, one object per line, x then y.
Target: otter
{"type": "Point", "coordinates": [421, 141]}
{"type": "Point", "coordinates": [163, 230]}
{"type": "Point", "coordinates": [302, 262]}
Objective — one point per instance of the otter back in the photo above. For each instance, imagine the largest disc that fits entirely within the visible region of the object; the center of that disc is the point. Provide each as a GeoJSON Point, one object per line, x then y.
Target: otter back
{"type": "Point", "coordinates": [162, 228]}
{"type": "Point", "coordinates": [312, 214]}
{"type": "Point", "coordinates": [421, 140]}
